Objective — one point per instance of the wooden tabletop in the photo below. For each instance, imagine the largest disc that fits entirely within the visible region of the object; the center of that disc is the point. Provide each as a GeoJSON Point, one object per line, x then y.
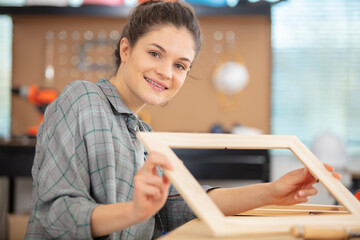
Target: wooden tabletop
{"type": "Point", "coordinates": [197, 230]}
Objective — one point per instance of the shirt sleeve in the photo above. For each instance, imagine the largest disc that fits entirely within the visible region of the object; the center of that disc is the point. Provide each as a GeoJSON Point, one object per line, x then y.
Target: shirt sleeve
{"type": "Point", "coordinates": [61, 186]}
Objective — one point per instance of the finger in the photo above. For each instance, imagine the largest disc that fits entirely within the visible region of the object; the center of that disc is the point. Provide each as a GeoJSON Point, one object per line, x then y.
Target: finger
{"type": "Point", "coordinates": [329, 167]}
{"type": "Point", "coordinates": [309, 184]}
{"type": "Point", "coordinates": [148, 190]}
{"type": "Point", "coordinates": [165, 188]}
{"type": "Point", "coordinates": [336, 175]}
{"type": "Point", "coordinates": [298, 173]}
{"type": "Point", "coordinates": [156, 158]}
{"type": "Point", "coordinates": [301, 175]}
{"type": "Point", "coordinates": [166, 180]}
{"type": "Point", "coordinates": [162, 183]}
{"type": "Point", "coordinates": [153, 192]}
{"type": "Point", "coordinates": [154, 180]}
{"type": "Point", "coordinates": [304, 193]}
{"type": "Point", "coordinates": [309, 179]}
{"type": "Point", "coordinates": [301, 199]}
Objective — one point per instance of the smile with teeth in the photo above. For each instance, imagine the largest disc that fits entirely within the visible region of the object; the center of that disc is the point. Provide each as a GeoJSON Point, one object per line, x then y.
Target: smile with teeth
{"type": "Point", "coordinates": [156, 84]}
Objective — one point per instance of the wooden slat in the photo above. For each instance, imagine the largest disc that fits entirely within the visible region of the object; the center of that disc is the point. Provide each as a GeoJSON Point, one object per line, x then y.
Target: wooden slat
{"type": "Point", "coordinates": [305, 206]}
{"type": "Point", "coordinates": [287, 212]}
{"type": "Point", "coordinates": [298, 209]}
{"type": "Point", "coordinates": [244, 226]}
{"type": "Point", "coordinates": [219, 141]}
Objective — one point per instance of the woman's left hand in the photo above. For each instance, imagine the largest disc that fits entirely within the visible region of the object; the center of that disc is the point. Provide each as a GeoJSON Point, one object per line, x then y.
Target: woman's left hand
{"type": "Point", "coordinates": [296, 186]}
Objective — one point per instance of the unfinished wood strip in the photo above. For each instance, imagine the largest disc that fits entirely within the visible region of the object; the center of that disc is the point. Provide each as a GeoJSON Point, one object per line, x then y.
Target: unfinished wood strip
{"type": "Point", "coordinates": [298, 209]}
{"type": "Point", "coordinates": [319, 207]}
{"type": "Point", "coordinates": [252, 226]}
{"type": "Point", "coordinates": [220, 141]}
{"type": "Point", "coordinates": [287, 212]}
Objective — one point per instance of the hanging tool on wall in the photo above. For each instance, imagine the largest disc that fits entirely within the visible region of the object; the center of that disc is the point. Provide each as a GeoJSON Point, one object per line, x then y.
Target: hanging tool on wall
{"type": "Point", "coordinates": [40, 97]}
{"type": "Point", "coordinates": [230, 75]}
{"type": "Point", "coordinates": [49, 59]}
{"type": "Point", "coordinates": [357, 195]}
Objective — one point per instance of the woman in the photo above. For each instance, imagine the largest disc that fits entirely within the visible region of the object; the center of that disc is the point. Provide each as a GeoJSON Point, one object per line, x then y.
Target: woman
{"type": "Point", "coordinates": [90, 175]}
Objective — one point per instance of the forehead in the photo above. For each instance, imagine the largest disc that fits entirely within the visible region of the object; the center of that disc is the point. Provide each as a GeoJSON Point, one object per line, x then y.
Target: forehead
{"type": "Point", "coordinates": [174, 40]}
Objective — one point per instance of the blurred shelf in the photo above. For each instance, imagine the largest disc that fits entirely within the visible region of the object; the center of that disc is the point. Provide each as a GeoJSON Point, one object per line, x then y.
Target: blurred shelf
{"type": "Point", "coordinates": [122, 12]}
{"type": "Point", "coordinates": [227, 164]}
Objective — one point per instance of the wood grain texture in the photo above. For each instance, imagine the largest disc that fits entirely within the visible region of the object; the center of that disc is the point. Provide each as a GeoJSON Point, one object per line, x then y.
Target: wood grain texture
{"type": "Point", "coordinates": [220, 226]}
{"type": "Point", "coordinates": [298, 209]}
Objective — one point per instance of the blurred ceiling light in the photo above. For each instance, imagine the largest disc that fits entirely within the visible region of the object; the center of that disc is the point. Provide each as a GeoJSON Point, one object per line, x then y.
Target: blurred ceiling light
{"type": "Point", "coordinates": [270, 1]}
{"type": "Point", "coordinates": [75, 3]}
{"type": "Point", "coordinates": [232, 3]}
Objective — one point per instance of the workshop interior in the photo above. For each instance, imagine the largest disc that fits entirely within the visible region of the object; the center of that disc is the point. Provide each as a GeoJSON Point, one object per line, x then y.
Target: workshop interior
{"type": "Point", "coordinates": [279, 67]}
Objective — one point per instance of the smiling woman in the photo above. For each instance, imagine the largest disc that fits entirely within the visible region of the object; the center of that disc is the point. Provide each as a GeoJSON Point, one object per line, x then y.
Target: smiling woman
{"type": "Point", "coordinates": [90, 174]}
{"type": "Point", "coordinates": [93, 177]}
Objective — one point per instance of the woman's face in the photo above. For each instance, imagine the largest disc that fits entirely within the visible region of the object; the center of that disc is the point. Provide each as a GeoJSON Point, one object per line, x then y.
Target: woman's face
{"type": "Point", "coordinates": [156, 67]}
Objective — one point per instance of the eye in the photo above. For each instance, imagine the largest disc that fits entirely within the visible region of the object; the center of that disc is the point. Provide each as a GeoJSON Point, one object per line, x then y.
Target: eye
{"type": "Point", "coordinates": [154, 54]}
{"type": "Point", "coordinates": [180, 66]}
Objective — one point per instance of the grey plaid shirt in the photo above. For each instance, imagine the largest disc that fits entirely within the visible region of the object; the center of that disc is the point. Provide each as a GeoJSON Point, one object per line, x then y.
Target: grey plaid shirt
{"type": "Point", "coordinates": [87, 154]}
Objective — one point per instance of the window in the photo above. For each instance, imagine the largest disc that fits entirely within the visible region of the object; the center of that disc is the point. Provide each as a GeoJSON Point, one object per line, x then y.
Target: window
{"type": "Point", "coordinates": [5, 74]}
{"type": "Point", "coordinates": [316, 70]}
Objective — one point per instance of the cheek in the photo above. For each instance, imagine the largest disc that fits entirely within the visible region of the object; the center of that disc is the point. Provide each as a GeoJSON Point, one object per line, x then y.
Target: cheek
{"type": "Point", "coordinates": [179, 81]}
{"type": "Point", "coordinates": [134, 70]}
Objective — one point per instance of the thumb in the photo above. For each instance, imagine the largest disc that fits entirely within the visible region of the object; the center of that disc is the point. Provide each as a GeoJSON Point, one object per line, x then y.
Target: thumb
{"type": "Point", "coordinates": [298, 175]}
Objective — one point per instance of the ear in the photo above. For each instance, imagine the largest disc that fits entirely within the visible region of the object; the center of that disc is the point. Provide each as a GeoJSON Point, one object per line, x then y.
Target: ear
{"type": "Point", "coordinates": [124, 49]}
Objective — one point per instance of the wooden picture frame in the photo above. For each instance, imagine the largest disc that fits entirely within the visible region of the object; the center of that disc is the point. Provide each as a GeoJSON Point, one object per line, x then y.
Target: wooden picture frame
{"type": "Point", "coordinates": [206, 210]}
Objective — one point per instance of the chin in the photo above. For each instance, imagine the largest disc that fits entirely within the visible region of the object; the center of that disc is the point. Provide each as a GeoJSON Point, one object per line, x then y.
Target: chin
{"type": "Point", "coordinates": [155, 101]}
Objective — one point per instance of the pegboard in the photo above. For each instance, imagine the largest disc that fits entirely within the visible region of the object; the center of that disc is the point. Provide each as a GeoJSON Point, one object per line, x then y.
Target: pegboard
{"type": "Point", "coordinates": [81, 48]}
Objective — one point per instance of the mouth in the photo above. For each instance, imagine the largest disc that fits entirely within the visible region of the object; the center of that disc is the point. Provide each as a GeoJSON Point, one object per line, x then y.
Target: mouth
{"type": "Point", "coordinates": [157, 84]}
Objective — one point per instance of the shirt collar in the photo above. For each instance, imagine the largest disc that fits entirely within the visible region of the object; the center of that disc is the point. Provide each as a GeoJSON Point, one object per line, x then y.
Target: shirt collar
{"type": "Point", "coordinates": [132, 121]}
{"type": "Point", "coordinates": [114, 97]}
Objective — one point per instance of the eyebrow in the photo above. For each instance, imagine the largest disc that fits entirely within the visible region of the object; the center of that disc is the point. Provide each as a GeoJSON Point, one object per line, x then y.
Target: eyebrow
{"type": "Point", "coordinates": [163, 50]}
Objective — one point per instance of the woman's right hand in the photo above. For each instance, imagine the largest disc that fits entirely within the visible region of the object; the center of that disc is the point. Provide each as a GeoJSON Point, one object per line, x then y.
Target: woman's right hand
{"type": "Point", "coordinates": [150, 190]}
{"type": "Point", "coordinates": [150, 194]}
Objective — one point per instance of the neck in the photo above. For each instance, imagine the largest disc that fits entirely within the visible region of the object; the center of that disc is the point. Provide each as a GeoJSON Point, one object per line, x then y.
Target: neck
{"type": "Point", "coordinates": [130, 100]}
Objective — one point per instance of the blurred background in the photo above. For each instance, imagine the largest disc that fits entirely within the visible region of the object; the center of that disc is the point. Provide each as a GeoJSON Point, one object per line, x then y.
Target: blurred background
{"type": "Point", "coordinates": [284, 67]}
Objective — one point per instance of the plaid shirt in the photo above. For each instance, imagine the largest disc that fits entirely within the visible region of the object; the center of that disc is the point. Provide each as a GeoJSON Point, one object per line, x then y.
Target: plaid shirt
{"type": "Point", "coordinates": [87, 154]}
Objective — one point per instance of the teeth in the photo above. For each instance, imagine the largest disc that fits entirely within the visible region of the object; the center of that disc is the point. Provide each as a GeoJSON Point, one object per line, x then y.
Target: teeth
{"type": "Point", "coordinates": [152, 82]}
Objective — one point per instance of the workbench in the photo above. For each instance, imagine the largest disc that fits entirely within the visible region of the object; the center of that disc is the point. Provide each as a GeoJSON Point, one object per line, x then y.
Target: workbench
{"type": "Point", "coordinates": [16, 159]}
{"type": "Point", "coordinates": [198, 230]}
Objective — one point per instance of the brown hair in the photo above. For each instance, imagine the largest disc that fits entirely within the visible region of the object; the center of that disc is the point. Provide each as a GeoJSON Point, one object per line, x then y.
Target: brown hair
{"type": "Point", "coordinates": [151, 14]}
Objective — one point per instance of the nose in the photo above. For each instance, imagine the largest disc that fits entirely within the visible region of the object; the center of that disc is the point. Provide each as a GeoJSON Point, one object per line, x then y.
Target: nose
{"type": "Point", "coordinates": [165, 70]}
